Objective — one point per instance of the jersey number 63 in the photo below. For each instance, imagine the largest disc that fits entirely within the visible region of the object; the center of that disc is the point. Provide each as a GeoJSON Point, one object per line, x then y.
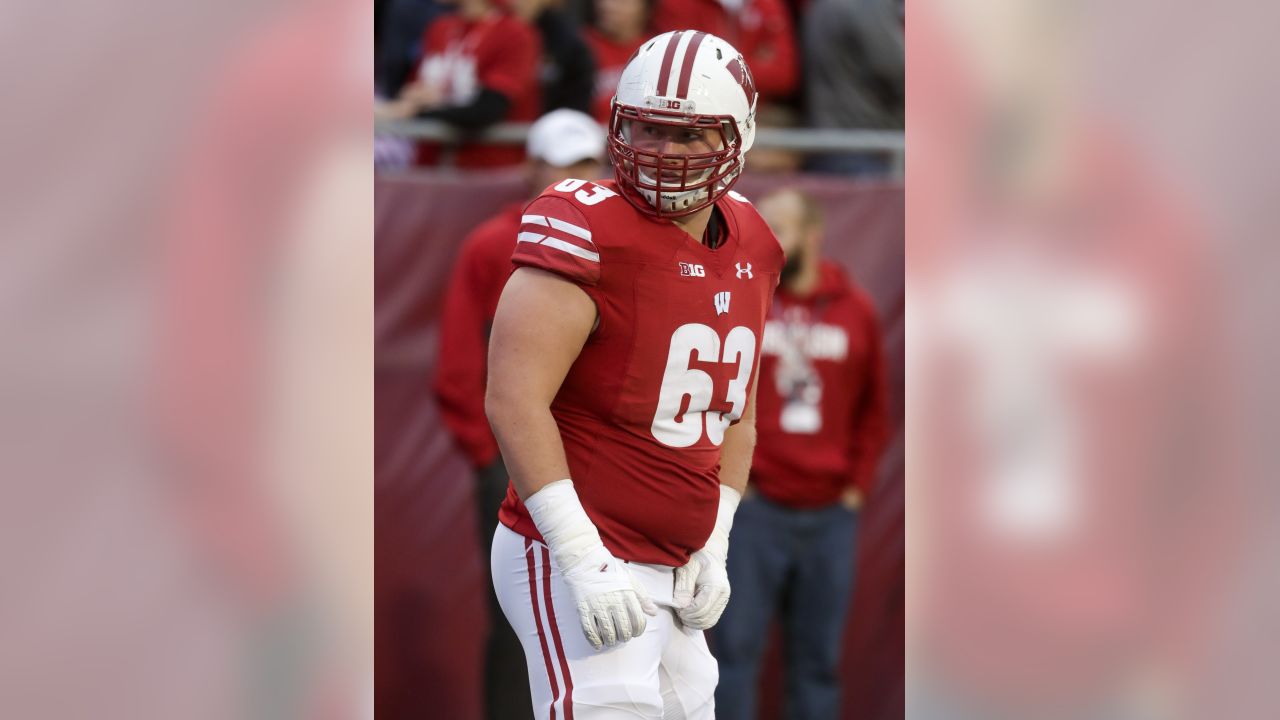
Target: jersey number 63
{"type": "Point", "coordinates": [669, 426]}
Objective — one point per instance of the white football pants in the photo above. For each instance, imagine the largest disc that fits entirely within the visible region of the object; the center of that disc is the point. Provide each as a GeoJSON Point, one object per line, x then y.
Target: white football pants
{"type": "Point", "coordinates": [667, 673]}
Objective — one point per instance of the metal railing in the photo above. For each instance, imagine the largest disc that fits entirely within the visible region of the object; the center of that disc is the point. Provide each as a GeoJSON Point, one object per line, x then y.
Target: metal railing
{"type": "Point", "coordinates": [808, 141]}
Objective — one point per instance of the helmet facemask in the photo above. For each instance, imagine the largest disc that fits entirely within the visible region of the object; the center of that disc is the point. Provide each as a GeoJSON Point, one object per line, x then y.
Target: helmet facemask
{"type": "Point", "coordinates": [672, 185]}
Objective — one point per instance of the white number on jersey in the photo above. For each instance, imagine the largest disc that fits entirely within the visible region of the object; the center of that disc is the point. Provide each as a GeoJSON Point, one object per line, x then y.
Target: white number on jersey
{"type": "Point", "coordinates": [680, 381]}
{"type": "Point", "coordinates": [597, 193]}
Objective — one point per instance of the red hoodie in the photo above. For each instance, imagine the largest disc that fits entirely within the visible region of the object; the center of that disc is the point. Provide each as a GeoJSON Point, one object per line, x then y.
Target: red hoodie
{"type": "Point", "coordinates": [480, 273]}
{"type": "Point", "coordinates": [820, 413]}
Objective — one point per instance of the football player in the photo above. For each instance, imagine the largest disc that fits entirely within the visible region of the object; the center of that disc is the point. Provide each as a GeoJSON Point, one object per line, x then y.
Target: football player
{"type": "Point", "coordinates": [622, 368]}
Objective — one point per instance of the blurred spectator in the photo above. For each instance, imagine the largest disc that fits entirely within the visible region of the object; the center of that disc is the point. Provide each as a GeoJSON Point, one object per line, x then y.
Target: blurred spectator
{"type": "Point", "coordinates": [567, 72]}
{"type": "Point", "coordinates": [579, 10]}
{"type": "Point", "coordinates": [562, 144]}
{"type": "Point", "coordinates": [766, 160]}
{"type": "Point", "coordinates": [760, 29]}
{"type": "Point", "coordinates": [821, 420]}
{"type": "Point", "coordinates": [479, 66]}
{"type": "Point", "coordinates": [616, 30]}
{"type": "Point", "coordinates": [397, 33]}
{"type": "Point", "coordinates": [853, 73]}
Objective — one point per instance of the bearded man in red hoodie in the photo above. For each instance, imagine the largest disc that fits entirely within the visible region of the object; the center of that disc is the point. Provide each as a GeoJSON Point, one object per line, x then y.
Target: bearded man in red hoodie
{"type": "Point", "coordinates": [822, 428]}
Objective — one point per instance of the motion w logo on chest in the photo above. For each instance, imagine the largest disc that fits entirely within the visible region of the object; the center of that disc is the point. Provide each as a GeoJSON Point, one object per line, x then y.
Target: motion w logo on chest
{"type": "Point", "coordinates": [722, 302]}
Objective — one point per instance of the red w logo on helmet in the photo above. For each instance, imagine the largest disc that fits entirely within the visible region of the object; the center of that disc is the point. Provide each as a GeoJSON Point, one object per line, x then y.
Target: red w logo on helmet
{"type": "Point", "coordinates": [738, 69]}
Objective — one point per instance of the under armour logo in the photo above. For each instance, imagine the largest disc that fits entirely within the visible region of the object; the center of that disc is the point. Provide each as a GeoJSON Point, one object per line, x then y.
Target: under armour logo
{"type": "Point", "coordinates": [722, 303]}
{"type": "Point", "coordinates": [744, 270]}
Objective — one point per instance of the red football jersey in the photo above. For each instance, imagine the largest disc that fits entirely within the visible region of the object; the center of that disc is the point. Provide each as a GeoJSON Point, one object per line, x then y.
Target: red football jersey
{"type": "Point", "coordinates": [820, 413]}
{"type": "Point", "coordinates": [644, 409]}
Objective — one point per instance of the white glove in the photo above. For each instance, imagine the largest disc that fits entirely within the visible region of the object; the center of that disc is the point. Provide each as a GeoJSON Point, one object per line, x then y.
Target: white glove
{"type": "Point", "coordinates": [611, 605]}
{"type": "Point", "coordinates": [702, 584]}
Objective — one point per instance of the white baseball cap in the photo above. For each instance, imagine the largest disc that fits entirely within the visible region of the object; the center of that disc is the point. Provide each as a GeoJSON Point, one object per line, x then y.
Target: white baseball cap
{"type": "Point", "coordinates": [564, 137]}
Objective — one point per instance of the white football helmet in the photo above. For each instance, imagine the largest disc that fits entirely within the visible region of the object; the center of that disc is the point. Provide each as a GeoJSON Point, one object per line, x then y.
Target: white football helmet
{"type": "Point", "coordinates": [684, 78]}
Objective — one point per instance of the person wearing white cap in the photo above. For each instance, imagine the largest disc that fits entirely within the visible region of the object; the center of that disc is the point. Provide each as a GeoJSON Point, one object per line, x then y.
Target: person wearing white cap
{"type": "Point", "coordinates": [562, 144]}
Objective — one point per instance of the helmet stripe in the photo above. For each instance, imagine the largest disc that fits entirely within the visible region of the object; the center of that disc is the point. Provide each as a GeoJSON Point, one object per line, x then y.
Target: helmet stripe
{"type": "Point", "coordinates": [686, 65]}
{"type": "Point", "coordinates": [664, 74]}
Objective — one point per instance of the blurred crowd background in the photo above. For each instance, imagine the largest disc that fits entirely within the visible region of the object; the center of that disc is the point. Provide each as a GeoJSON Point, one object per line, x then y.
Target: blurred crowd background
{"type": "Point", "coordinates": [472, 63]}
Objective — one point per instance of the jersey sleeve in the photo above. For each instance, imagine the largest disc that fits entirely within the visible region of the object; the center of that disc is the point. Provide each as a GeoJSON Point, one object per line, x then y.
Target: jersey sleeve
{"type": "Point", "coordinates": [555, 236]}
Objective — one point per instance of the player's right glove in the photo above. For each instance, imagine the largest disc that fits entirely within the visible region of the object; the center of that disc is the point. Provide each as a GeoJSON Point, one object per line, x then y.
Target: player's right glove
{"type": "Point", "coordinates": [611, 605]}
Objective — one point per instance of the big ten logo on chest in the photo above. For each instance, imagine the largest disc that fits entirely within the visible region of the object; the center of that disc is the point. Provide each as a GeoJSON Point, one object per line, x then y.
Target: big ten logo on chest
{"type": "Point", "coordinates": [817, 341]}
{"type": "Point", "coordinates": [692, 270]}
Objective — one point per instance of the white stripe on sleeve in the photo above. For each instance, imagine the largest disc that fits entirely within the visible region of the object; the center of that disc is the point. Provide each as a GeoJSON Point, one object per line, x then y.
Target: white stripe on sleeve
{"type": "Point", "coordinates": [559, 244]}
{"type": "Point", "coordinates": [571, 229]}
{"type": "Point", "coordinates": [558, 224]}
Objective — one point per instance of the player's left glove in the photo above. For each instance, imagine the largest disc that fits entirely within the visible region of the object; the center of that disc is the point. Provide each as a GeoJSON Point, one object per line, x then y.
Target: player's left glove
{"type": "Point", "coordinates": [702, 584]}
{"type": "Point", "coordinates": [611, 604]}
